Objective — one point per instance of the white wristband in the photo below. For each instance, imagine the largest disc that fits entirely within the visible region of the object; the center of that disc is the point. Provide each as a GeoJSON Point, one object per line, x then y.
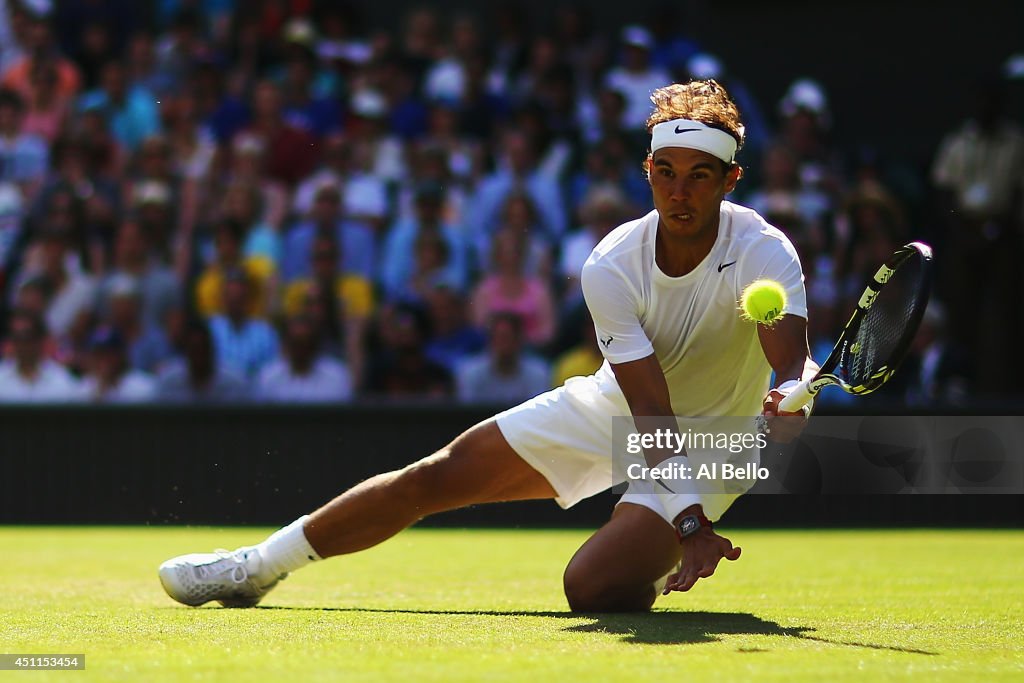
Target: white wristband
{"type": "Point", "coordinates": [786, 388]}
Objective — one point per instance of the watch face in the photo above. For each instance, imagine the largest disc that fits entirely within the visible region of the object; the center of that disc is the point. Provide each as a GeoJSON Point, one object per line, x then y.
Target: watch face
{"type": "Point", "coordinates": [689, 525]}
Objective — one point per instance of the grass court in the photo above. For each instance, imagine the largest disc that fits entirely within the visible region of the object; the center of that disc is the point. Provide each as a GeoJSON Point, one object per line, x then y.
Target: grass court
{"type": "Point", "coordinates": [471, 605]}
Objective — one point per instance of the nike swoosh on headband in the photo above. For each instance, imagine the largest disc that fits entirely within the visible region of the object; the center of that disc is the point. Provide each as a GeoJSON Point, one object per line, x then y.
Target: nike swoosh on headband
{"type": "Point", "coordinates": [685, 130]}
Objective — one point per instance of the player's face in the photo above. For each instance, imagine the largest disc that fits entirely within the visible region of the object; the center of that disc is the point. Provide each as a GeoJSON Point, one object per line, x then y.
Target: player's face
{"type": "Point", "coordinates": [688, 187]}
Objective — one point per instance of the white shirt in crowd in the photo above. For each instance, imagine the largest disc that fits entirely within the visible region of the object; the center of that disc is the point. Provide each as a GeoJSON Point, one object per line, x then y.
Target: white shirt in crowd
{"type": "Point", "coordinates": [477, 379]}
{"type": "Point", "coordinates": [134, 386]}
{"type": "Point", "coordinates": [52, 384]}
{"type": "Point", "coordinates": [328, 380]}
{"type": "Point", "coordinates": [636, 88]}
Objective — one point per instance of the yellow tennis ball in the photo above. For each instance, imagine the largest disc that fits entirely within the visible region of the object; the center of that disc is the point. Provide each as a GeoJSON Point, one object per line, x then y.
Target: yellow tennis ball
{"type": "Point", "coordinates": [763, 301]}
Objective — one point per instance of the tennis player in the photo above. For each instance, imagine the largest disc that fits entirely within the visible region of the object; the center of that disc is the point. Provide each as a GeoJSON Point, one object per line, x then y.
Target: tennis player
{"type": "Point", "coordinates": [663, 293]}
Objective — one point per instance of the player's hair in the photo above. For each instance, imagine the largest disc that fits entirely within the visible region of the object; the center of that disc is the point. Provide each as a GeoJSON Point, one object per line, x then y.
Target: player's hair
{"type": "Point", "coordinates": [704, 101]}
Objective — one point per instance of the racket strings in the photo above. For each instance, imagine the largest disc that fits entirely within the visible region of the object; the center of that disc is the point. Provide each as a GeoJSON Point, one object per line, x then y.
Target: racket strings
{"type": "Point", "coordinates": [885, 326]}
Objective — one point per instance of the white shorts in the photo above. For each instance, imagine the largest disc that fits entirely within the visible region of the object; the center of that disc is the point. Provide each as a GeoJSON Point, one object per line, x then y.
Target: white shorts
{"type": "Point", "coordinates": [566, 435]}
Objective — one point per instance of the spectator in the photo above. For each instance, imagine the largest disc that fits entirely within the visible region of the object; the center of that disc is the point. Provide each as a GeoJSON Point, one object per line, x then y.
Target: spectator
{"type": "Point", "coordinates": [978, 171]}
{"type": "Point", "coordinates": [131, 111]}
{"type": "Point", "coordinates": [401, 369]}
{"type": "Point", "coordinates": [155, 191]}
{"type": "Point", "coordinates": [135, 258]}
{"type": "Point", "coordinates": [806, 124]}
{"type": "Point", "coordinates": [482, 111]}
{"type": "Point", "coordinates": [383, 151]}
{"type": "Point", "coordinates": [13, 34]}
{"type": "Point", "coordinates": [192, 143]}
{"type": "Point", "coordinates": [358, 250]}
{"type": "Point", "coordinates": [936, 370]}
{"type": "Point", "coordinates": [510, 290]}
{"type": "Point", "coordinates": [608, 162]}
{"type": "Point", "coordinates": [248, 158]}
{"type": "Point", "coordinates": [198, 377]}
{"type": "Point", "coordinates": [111, 379]}
{"type": "Point", "coordinates": [243, 343]}
{"type": "Point", "coordinates": [364, 197]}
{"type": "Point", "coordinates": [504, 373]}
{"type": "Point", "coordinates": [673, 48]}
{"type": "Point", "coordinates": [12, 220]}
{"type": "Point", "coordinates": [421, 40]}
{"type": "Point", "coordinates": [209, 288]}
{"type": "Point", "coordinates": [143, 69]}
{"type": "Point", "coordinates": [291, 152]}
{"type": "Point", "coordinates": [636, 78]}
{"type": "Point", "coordinates": [303, 109]}
{"type": "Point", "coordinates": [321, 306]}
{"type": "Point", "coordinates": [146, 345]}
{"type": "Point", "coordinates": [26, 375]}
{"type": "Point", "coordinates": [431, 269]}
{"type": "Point", "coordinates": [47, 112]}
{"type": "Point", "coordinates": [585, 49]}
{"type": "Point", "coordinates": [783, 193]}
{"type": "Point", "coordinates": [876, 226]}
{"type": "Point", "coordinates": [398, 264]}
{"type": "Point", "coordinates": [434, 165]}
{"type": "Point", "coordinates": [446, 77]}
{"type": "Point", "coordinates": [603, 209]}
{"type": "Point", "coordinates": [23, 156]}
{"type": "Point", "coordinates": [348, 296]}
{"type": "Point", "coordinates": [454, 338]}
{"type": "Point", "coordinates": [40, 46]}
{"type": "Point", "coordinates": [304, 374]}
{"type": "Point", "coordinates": [78, 166]}
{"type": "Point", "coordinates": [461, 155]}
{"type": "Point", "coordinates": [74, 292]}
{"type": "Point", "coordinates": [519, 172]}
{"type": "Point", "coordinates": [243, 204]}
{"type": "Point", "coordinates": [95, 48]}
{"type": "Point", "coordinates": [519, 215]}
{"type": "Point", "coordinates": [408, 113]}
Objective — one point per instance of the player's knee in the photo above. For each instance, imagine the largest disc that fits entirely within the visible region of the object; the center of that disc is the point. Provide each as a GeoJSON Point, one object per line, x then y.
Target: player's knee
{"type": "Point", "coordinates": [588, 591]}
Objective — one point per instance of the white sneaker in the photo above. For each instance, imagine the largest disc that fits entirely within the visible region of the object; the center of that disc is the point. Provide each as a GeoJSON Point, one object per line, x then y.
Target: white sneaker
{"type": "Point", "coordinates": [231, 578]}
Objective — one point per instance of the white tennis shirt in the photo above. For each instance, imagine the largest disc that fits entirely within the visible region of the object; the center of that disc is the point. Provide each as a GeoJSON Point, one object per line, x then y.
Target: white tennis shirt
{"type": "Point", "coordinates": [711, 357]}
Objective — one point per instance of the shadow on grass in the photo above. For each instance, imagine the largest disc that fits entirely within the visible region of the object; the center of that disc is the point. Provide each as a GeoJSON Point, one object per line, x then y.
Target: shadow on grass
{"type": "Point", "coordinates": [649, 628]}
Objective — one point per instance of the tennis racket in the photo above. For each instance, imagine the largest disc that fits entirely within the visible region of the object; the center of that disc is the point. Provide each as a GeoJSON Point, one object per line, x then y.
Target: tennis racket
{"type": "Point", "coordinates": [878, 335]}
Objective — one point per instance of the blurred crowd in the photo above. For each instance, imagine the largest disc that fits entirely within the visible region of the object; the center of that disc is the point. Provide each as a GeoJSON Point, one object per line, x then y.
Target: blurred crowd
{"type": "Point", "coordinates": [218, 201]}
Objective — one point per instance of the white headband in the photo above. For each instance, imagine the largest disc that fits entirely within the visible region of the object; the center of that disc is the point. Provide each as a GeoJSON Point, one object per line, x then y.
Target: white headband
{"type": "Point", "coordinates": [694, 135]}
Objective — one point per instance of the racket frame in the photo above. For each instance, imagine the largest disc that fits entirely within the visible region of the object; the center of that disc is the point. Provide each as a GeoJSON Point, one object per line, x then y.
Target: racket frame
{"type": "Point", "coordinates": [806, 390]}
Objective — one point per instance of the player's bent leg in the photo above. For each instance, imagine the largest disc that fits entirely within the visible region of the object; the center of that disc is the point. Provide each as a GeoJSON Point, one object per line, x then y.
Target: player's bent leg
{"type": "Point", "coordinates": [477, 467]}
{"type": "Point", "coordinates": [617, 568]}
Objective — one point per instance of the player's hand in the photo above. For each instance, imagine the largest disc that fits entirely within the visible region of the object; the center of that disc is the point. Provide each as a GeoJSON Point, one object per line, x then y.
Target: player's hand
{"type": "Point", "coordinates": [783, 426]}
{"type": "Point", "coordinates": [701, 554]}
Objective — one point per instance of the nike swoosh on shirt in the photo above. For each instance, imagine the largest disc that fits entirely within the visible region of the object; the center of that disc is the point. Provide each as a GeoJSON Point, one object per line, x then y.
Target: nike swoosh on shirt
{"type": "Point", "coordinates": [723, 266]}
{"type": "Point", "coordinates": [685, 130]}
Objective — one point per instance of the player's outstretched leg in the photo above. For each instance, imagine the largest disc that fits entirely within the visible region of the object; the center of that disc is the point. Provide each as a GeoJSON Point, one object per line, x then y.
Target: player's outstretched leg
{"type": "Point", "coordinates": [617, 569]}
{"type": "Point", "coordinates": [477, 467]}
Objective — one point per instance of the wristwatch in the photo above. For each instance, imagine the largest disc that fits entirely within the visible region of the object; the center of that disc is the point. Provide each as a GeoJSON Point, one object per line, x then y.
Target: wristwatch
{"type": "Point", "coordinates": [691, 524]}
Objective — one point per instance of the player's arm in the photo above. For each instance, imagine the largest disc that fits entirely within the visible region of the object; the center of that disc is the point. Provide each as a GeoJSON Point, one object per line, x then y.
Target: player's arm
{"type": "Point", "coordinates": [643, 384]}
{"type": "Point", "coordinates": [614, 307]}
{"type": "Point", "coordinates": [786, 348]}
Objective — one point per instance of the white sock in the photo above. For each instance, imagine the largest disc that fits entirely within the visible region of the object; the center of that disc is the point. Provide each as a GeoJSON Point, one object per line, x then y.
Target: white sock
{"type": "Point", "coordinates": [287, 549]}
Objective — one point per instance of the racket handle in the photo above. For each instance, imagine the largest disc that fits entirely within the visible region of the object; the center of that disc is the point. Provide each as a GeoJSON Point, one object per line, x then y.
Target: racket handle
{"type": "Point", "coordinates": [798, 398]}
